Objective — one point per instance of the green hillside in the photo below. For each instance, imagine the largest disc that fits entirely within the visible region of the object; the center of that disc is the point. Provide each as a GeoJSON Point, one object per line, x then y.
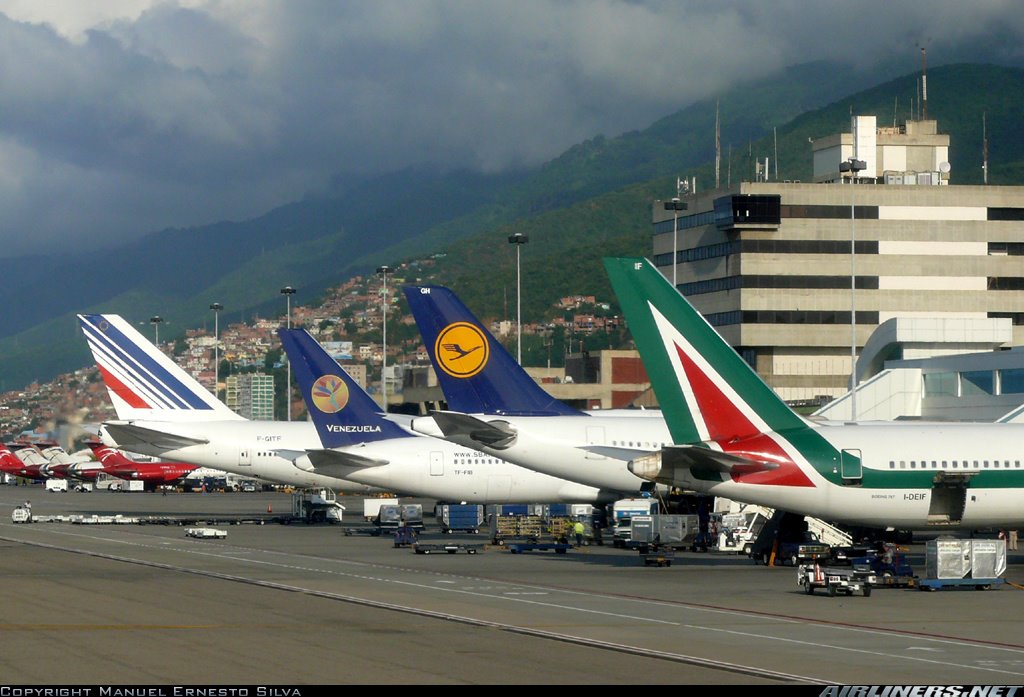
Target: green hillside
{"type": "Point", "coordinates": [592, 201]}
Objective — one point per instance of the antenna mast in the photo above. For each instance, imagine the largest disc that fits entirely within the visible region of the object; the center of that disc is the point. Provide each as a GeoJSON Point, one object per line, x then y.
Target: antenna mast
{"type": "Point", "coordinates": [924, 83]}
{"type": "Point", "coordinates": [718, 148]}
{"type": "Point", "coordinates": [984, 148]}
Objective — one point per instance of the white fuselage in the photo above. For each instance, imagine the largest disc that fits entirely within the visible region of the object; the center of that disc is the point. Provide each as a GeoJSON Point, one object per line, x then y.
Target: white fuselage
{"type": "Point", "coordinates": [417, 466]}
{"type": "Point", "coordinates": [558, 445]}
{"type": "Point", "coordinates": [914, 476]}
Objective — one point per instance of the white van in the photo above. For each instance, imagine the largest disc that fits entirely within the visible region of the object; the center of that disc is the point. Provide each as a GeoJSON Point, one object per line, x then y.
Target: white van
{"type": "Point", "coordinates": [57, 485]}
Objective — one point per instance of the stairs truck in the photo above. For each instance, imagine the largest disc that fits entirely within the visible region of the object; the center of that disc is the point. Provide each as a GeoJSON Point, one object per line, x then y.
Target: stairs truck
{"type": "Point", "coordinates": [788, 537]}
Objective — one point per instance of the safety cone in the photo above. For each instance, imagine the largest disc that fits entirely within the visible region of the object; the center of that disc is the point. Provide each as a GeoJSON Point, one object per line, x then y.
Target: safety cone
{"type": "Point", "coordinates": [270, 508]}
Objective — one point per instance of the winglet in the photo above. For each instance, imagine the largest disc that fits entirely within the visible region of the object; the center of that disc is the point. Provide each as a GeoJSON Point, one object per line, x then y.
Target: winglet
{"type": "Point", "coordinates": [142, 381]}
{"type": "Point", "coordinates": [342, 411]}
{"type": "Point", "coordinates": [477, 374]}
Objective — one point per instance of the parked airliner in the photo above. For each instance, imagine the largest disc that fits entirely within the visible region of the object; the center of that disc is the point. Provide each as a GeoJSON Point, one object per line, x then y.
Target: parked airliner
{"type": "Point", "coordinates": [357, 438]}
{"type": "Point", "coordinates": [496, 407]}
{"type": "Point", "coordinates": [163, 411]}
{"type": "Point", "coordinates": [736, 438]}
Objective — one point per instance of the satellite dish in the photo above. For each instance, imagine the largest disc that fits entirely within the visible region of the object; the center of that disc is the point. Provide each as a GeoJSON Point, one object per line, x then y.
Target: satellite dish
{"type": "Point", "coordinates": [944, 167]}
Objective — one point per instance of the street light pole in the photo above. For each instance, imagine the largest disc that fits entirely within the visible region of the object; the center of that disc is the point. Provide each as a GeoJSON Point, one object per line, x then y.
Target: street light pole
{"type": "Point", "coordinates": [155, 320]}
{"type": "Point", "coordinates": [288, 292]}
{"type": "Point", "coordinates": [675, 205]}
{"type": "Point", "coordinates": [383, 271]}
{"type": "Point", "coordinates": [853, 166]}
{"type": "Point", "coordinates": [216, 307]}
{"type": "Point", "coordinates": [519, 239]}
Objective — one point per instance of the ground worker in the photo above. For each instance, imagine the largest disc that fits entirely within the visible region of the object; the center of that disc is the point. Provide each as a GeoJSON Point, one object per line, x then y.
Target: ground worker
{"type": "Point", "coordinates": [578, 529]}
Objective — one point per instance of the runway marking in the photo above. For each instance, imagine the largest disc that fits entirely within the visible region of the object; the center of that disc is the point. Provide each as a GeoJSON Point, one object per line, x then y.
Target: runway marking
{"type": "Point", "coordinates": [545, 590]}
{"type": "Point", "coordinates": [472, 621]}
{"type": "Point", "coordinates": [848, 649]}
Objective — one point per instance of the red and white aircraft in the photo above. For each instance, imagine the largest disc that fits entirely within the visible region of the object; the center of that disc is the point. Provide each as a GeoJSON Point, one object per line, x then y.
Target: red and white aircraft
{"type": "Point", "coordinates": [117, 464]}
{"type": "Point", "coordinates": [23, 460]}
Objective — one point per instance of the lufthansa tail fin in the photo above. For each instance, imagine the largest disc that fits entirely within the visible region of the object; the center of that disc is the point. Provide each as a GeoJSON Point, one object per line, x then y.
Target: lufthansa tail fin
{"type": "Point", "coordinates": [477, 374]}
{"type": "Point", "coordinates": [707, 391]}
{"type": "Point", "coordinates": [342, 411]}
{"type": "Point", "coordinates": [142, 381]}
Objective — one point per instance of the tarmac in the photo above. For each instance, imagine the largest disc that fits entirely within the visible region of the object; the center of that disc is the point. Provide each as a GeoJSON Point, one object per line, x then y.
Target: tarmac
{"type": "Point", "coordinates": [304, 604]}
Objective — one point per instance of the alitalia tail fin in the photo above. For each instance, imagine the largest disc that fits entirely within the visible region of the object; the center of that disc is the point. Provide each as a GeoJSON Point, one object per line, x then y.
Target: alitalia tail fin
{"type": "Point", "coordinates": [707, 391]}
{"type": "Point", "coordinates": [342, 411]}
{"type": "Point", "coordinates": [142, 381]}
{"type": "Point", "coordinates": [477, 374]}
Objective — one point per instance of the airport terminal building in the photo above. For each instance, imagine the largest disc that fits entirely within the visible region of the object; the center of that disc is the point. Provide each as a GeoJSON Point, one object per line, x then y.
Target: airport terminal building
{"type": "Point", "coordinates": [794, 273]}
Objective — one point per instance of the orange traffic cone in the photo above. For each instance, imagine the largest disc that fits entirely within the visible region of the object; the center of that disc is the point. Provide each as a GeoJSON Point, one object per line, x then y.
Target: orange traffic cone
{"type": "Point", "coordinates": [270, 508]}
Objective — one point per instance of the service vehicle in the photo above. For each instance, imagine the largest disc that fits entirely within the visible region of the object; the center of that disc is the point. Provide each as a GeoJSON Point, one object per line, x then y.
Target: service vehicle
{"type": "Point", "coordinates": [849, 579]}
{"type": "Point", "coordinates": [56, 484]}
{"type": "Point", "coordinates": [623, 511]}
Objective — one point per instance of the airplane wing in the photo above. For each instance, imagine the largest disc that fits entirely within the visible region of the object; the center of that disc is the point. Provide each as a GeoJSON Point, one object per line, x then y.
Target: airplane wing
{"type": "Point", "coordinates": [473, 432]}
{"type": "Point", "coordinates": [659, 466]}
{"type": "Point", "coordinates": [333, 463]}
{"type": "Point", "coordinates": [128, 434]}
{"type": "Point", "coordinates": [614, 453]}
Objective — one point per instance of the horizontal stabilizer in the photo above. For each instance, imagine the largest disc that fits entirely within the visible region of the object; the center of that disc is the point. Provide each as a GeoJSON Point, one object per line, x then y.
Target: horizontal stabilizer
{"type": "Point", "coordinates": [338, 463]}
{"type": "Point", "coordinates": [473, 432]}
{"type": "Point", "coordinates": [128, 435]}
{"type": "Point", "coordinates": [661, 465]}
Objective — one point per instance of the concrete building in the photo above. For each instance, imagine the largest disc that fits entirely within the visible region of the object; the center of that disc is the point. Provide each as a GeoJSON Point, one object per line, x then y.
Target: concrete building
{"type": "Point", "coordinates": [251, 395]}
{"type": "Point", "coordinates": [936, 370]}
{"type": "Point", "coordinates": [795, 275]}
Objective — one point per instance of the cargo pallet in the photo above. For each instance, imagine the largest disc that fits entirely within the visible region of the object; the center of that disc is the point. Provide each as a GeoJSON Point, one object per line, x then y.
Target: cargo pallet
{"type": "Point", "coordinates": [937, 584]}
{"type": "Point", "coordinates": [556, 547]}
{"type": "Point", "coordinates": [448, 548]}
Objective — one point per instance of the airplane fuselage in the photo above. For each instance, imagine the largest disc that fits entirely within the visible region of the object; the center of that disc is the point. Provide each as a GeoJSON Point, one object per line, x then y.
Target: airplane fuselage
{"type": "Point", "coordinates": [417, 465]}
{"type": "Point", "coordinates": [905, 476]}
{"type": "Point", "coordinates": [574, 447]}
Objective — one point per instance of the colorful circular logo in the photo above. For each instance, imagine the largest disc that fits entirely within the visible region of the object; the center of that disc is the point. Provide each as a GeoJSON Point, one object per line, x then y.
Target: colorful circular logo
{"type": "Point", "coordinates": [330, 394]}
{"type": "Point", "coordinates": [462, 350]}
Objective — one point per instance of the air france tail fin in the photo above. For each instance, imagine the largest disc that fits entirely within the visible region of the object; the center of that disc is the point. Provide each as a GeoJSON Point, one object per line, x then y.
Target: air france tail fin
{"type": "Point", "coordinates": [142, 381]}
{"type": "Point", "coordinates": [707, 391]}
{"type": "Point", "coordinates": [342, 411]}
{"type": "Point", "coordinates": [477, 374]}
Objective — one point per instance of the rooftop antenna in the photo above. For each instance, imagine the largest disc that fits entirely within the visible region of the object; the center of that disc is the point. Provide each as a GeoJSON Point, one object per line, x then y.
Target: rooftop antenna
{"type": "Point", "coordinates": [775, 132]}
{"type": "Point", "coordinates": [729, 167]}
{"type": "Point", "coordinates": [984, 148]}
{"type": "Point", "coordinates": [718, 147]}
{"type": "Point", "coordinates": [924, 83]}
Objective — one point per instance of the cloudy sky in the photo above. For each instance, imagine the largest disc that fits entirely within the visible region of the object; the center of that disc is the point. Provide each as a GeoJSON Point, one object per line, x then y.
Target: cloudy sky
{"type": "Point", "coordinates": [121, 117]}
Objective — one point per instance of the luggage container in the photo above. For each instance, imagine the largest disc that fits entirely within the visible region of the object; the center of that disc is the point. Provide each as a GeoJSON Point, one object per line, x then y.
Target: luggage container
{"type": "Point", "coordinates": [412, 515]}
{"type": "Point", "coordinates": [953, 563]}
{"type": "Point", "coordinates": [460, 517]}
